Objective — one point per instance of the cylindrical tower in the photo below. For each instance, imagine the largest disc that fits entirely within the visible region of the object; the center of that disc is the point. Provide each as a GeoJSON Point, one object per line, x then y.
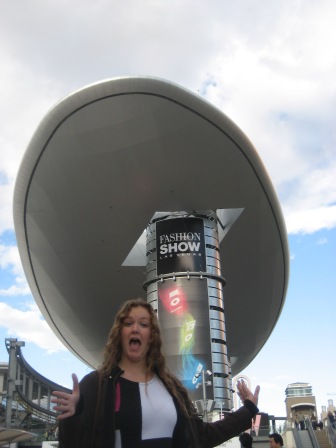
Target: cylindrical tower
{"type": "Point", "coordinates": [184, 284]}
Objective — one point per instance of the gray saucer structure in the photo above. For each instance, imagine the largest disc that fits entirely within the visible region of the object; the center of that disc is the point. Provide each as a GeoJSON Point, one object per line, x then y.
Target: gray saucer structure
{"type": "Point", "coordinates": [100, 165]}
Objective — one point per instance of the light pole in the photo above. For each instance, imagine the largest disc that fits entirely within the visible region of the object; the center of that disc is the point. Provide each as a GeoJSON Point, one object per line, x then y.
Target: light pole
{"type": "Point", "coordinates": [204, 384]}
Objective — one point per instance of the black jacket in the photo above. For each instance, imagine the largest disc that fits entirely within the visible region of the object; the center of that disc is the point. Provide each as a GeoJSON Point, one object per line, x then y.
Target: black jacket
{"type": "Point", "coordinates": [93, 424]}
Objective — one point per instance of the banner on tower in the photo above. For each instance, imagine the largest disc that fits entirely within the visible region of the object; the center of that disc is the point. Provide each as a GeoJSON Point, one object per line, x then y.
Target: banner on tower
{"type": "Point", "coordinates": [180, 245]}
{"type": "Point", "coordinates": [183, 313]}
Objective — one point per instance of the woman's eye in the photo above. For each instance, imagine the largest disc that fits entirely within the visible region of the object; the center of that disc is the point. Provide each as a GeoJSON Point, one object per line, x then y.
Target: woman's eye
{"type": "Point", "coordinates": [128, 324]}
{"type": "Point", "coordinates": [144, 325]}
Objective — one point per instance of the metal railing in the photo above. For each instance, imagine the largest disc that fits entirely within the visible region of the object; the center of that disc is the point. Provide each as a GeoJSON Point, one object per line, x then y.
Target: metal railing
{"type": "Point", "coordinates": [311, 433]}
{"type": "Point", "coordinates": [39, 412]}
{"type": "Point", "coordinates": [331, 433]}
{"type": "Point", "coordinates": [297, 438]}
{"type": "Point", "coordinates": [298, 435]}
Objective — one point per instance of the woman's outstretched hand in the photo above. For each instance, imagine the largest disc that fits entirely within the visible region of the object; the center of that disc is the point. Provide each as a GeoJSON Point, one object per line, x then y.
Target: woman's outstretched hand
{"type": "Point", "coordinates": [66, 403]}
{"type": "Point", "coordinates": [245, 393]}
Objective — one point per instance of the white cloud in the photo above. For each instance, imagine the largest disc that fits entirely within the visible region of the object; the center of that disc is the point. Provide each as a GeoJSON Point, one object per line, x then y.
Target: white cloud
{"type": "Point", "coordinates": [26, 98]}
{"type": "Point", "coordinates": [10, 261]}
{"type": "Point", "coordinates": [310, 221]}
{"type": "Point", "coordinates": [297, 147]}
{"type": "Point", "coordinates": [29, 326]}
{"type": "Point", "coordinates": [283, 99]}
{"type": "Point", "coordinates": [269, 67]}
{"type": "Point", "coordinates": [15, 290]}
{"type": "Point", "coordinates": [6, 194]}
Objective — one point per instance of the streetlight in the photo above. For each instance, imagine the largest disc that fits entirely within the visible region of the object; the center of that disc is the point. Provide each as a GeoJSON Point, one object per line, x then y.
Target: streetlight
{"type": "Point", "coordinates": [207, 404]}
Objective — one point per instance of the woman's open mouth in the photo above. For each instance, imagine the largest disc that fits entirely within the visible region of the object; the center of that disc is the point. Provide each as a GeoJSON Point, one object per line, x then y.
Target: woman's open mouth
{"type": "Point", "coordinates": [134, 342]}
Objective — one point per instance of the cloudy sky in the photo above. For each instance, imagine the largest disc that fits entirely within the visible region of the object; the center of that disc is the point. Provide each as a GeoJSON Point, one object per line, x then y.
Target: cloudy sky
{"type": "Point", "coordinates": [269, 65]}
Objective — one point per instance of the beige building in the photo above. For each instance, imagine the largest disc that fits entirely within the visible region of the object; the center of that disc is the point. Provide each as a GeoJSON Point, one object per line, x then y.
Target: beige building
{"type": "Point", "coordinates": [330, 408]}
{"type": "Point", "coordinates": [300, 400]}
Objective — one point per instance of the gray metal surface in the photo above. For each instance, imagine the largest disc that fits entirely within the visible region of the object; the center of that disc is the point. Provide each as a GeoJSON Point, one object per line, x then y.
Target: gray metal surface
{"type": "Point", "coordinates": [100, 164]}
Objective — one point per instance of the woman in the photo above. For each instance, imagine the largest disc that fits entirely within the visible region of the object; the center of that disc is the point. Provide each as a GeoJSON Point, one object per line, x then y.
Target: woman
{"type": "Point", "coordinates": [133, 400]}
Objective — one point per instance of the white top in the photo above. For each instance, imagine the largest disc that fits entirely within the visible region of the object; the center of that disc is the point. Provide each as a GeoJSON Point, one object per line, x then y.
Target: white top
{"type": "Point", "coordinates": [158, 411]}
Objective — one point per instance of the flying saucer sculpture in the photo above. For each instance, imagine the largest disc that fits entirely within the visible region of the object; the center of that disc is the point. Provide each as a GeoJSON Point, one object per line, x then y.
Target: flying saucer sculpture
{"type": "Point", "coordinates": [99, 167]}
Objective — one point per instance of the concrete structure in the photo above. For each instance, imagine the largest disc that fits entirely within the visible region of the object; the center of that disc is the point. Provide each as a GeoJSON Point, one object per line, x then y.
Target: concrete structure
{"type": "Point", "coordinates": [100, 166]}
{"type": "Point", "coordinates": [26, 412]}
{"type": "Point", "coordinates": [3, 379]}
{"type": "Point", "coordinates": [3, 391]}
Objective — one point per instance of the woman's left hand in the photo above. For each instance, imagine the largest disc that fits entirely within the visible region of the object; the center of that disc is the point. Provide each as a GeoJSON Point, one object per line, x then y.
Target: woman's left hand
{"type": "Point", "coordinates": [245, 393]}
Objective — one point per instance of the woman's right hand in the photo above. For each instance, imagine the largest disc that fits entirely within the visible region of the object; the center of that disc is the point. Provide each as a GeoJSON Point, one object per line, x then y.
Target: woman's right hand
{"type": "Point", "coordinates": [66, 403]}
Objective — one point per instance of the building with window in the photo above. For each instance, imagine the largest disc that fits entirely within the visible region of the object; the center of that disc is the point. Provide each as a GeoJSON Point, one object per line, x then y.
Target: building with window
{"type": "Point", "coordinates": [300, 399]}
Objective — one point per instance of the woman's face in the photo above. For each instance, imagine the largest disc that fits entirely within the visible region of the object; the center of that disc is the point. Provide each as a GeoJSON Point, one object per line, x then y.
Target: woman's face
{"type": "Point", "coordinates": [136, 335]}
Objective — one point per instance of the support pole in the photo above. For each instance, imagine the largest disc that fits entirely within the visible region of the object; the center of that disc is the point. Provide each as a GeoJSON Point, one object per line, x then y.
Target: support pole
{"type": "Point", "coordinates": [204, 397]}
{"type": "Point", "coordinates": [12, 345]}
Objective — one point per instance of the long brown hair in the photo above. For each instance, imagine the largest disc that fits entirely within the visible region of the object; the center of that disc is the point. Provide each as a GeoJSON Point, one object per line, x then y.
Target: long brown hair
{"type": "Point", "coordinates": [155, 361]}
